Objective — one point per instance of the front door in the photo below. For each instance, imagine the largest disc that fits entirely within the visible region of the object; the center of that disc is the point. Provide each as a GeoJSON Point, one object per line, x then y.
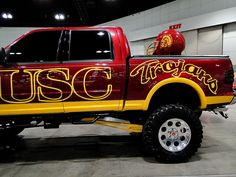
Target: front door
{"type": "Point", "coordinates": [30, 82]}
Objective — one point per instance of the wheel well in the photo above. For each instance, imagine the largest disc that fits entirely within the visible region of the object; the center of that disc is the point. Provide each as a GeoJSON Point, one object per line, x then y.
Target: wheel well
{"type": "Point", "coordinates": [175, 93]}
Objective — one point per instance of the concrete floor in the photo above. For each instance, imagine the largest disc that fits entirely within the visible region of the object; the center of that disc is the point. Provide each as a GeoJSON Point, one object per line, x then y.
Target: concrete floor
{"type": "Point", "coordinates": [93, 150]}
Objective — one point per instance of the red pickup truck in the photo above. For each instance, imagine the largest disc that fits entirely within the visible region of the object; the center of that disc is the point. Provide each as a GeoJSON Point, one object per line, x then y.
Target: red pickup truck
{"type": "Point", "coordinates": [83, 75]}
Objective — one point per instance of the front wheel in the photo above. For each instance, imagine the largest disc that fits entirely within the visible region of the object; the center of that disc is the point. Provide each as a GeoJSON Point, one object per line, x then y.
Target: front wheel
{"type": "Point", "coordinates": [11, 131]}
{"type": "Point", "coordinates": [173, 133]}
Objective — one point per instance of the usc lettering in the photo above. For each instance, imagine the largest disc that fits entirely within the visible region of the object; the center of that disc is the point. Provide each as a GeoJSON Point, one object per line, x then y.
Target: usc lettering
{"type": "Point", "coordinates": [40, 81]}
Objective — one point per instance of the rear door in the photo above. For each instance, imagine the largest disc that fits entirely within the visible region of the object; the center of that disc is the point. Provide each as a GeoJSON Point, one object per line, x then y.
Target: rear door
{"type": "Point", "coordinates": [96, 73]}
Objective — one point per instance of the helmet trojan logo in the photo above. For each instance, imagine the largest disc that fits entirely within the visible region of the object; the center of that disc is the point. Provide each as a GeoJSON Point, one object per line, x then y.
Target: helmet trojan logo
{"type": "Point", "coordinates": [169, 42]}
{"type": "Point", "coordinates": [166, 41]}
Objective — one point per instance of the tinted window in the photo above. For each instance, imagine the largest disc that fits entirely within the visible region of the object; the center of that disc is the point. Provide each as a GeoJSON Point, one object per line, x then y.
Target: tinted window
{"type": "Point", "coordinates": [36, 47]}
{"type": "Point", "coordinates": [90, 45]}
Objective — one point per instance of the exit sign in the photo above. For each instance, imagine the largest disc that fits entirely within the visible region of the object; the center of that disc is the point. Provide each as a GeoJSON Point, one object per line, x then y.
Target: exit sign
{"type": "Point", "coordinates": [176, 26]}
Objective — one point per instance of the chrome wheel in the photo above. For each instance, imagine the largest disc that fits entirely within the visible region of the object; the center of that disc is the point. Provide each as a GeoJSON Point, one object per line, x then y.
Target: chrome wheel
{"type": "Point", "coordinates": [174, 135]}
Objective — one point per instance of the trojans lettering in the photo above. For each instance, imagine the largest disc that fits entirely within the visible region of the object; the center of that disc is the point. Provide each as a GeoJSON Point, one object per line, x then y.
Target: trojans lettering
{"type": "Point", "coordinates": [150, 69]}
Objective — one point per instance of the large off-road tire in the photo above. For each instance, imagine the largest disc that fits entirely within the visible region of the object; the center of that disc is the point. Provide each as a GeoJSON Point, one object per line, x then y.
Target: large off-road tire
{"type": "Point", "coordinates": [173, 133]}
{"type": "Point", "coordinates": [198, 113]}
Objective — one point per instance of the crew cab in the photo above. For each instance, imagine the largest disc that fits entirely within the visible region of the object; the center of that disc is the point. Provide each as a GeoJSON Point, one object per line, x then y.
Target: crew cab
{"type": "Point", "coordinates": [85, 74]}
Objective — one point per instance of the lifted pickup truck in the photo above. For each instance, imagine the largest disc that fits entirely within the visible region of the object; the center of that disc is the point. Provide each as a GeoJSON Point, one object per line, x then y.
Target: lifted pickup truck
{"type": "Point", "coordinates": [86, 74]}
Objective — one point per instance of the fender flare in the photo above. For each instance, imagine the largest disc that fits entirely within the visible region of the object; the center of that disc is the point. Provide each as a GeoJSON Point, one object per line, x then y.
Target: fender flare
{"type": "Point", "coordinates": [188, 82]}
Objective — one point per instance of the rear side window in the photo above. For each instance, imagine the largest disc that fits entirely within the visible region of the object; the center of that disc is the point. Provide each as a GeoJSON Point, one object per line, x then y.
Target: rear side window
{"type": "Point", "coordinates": [90, 45]}
{"type": "Point", "coordinates": [36, 47]}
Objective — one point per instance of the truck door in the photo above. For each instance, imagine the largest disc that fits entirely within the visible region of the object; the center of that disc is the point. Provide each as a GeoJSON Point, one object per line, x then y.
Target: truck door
{"type": "Point", "coordinates": [96, 76]}
{"type": "Point", "coordinates": [31, 78]}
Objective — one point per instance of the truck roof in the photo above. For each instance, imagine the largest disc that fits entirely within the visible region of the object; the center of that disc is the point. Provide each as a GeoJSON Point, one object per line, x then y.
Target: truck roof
{"type": "Point", "coordinates": [109, 28]}
{"type": "Point", "coordinates": [79, 28]}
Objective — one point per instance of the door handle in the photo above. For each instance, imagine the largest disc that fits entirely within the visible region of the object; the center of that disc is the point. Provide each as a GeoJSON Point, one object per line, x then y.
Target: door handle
{"type": "Point", "coordinates": [109, 71]}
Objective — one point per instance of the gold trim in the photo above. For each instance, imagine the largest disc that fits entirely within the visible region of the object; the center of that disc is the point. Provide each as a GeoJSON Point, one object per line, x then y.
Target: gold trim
{"type": "Point", "coordinates": [191, 83]}
{"type": "Point", "coordinates": [93, 106]}
{"type": "Point", "coordinates": [209, 100]}
{"type": "Point", "coordinates": [50, 108]}
{"type": "Point", "coordinates": [87, 106]}
{"type": "Point", "coordinates": [134, 105]}
{"type": "Point", "coordinates": [122, 126]}
{"type": "Point", "coordinates": [31, 108]}
{"type": "Point", "coordinates": [218, 99]}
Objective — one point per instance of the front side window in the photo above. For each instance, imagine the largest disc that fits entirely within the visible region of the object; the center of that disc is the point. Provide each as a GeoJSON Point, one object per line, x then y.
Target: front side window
{"type": "Point", "coordinates": [90, 45]}
{"type": "Point", "coordinates": [36, 47]}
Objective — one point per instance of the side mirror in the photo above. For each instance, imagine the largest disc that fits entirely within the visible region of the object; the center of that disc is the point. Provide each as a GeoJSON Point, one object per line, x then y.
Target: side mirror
{"type": "Point", "coordinates": [3, 56]}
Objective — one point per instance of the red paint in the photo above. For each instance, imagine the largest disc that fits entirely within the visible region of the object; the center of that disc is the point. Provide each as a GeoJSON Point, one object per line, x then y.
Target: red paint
{"type": "Point", "coordinates": [136, 89]}
{"type": "Point", "coordinates": [97, 84]}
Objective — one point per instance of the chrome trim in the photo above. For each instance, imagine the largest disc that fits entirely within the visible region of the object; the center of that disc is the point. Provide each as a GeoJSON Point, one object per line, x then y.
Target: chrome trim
{"type": "Point", "coordinates": [221, 109]}
{"type": "Point", "coordinates": [174, 135]}
{"type": "Point", "coordinates": [234, 99]}
{"type": "Point", "coordinates": [194, 57]}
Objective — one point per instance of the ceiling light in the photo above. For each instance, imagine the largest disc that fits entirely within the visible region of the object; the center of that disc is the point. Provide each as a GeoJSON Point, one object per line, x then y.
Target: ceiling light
{"type": "Point", "coordinates": [98, 51]}
{"type": "Point", "coordinates": [100, 33]}
{"type": "Point", "coordinates": [62, 17]}
{"type": "Point", "coordinates": [59, 16]}
{"type": "Point", "coordinates": [4, 15]}
{"type": "Point", "coordinates": [110, 0]}
{"type": "Point", "coordinates": [56, 17]}
{"type": "Point", "coordinates": [106, 51]}
{"type": "Point", "coordinates": [7, 16]}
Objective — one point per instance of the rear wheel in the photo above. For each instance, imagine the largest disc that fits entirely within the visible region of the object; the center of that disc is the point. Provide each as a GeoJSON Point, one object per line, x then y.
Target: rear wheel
{"type": "Point", "coordinates": [198, 113]}
{"type": "Point", "coordinates": [173, 133]}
